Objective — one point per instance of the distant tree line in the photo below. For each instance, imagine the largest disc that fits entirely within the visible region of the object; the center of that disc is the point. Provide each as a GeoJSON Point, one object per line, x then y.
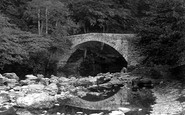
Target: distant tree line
{"type": "Point", "coordinates": [33, 32]}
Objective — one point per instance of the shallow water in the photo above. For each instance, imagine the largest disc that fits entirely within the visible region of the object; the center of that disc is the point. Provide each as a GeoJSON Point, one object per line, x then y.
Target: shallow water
{"type": "Point", "coordinates": [141, 99]}
{"type": "Point", "coordinates": [67, 111]}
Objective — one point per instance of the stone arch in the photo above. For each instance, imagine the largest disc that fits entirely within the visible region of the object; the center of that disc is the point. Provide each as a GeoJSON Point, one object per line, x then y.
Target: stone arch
{"type": "Point", "coordinates": [118, 41]}
{"type": "Point", "coordinates": [95, 40]}
{"type": "Point", "coordinates": [95, 46]}
{"type": "Point", "coordinates": [74, 47]}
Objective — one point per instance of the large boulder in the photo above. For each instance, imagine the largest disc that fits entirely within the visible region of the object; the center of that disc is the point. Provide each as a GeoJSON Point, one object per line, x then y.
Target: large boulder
{"type": "Point", "coordinates": [63, 79]}
{"type": "Point", "coordinates": [3, 88]}
{"type": "Point", "coordinates": [11, 76]}
{"type": "Point", "coordinates": [17, 88]}
{"type": "Point", "coordinates": [27, 82]}
{"type": "Point", "coordinates": [15, 94]}
{"type": "Point", "coordinates": [1, 80]}
{"type": "Point", "coordinates": [116, 113]}
{"type": "Point", "coordinates": [33, 88]}
{"type": "Point", "coordinates": [54, 79]}
{"type": "Point", "coordinates": [52, 89]}
{"type": "Point", "coordinates": [11, 82]}
{"type": "Point", "coordinates": [7, 110]}
{"type": "Point", "coordinates": [21, 111]}
{"type": "Point", "coordinates": [4, 97]}
{"type": "Point", "coordinates": [36, 100]}
{"type": "Point", "coordinates": [31, 77]}
{"type": "Point", "coordinates": [44, 81]}
{"type": "Point", "coordinates": [40, 76]}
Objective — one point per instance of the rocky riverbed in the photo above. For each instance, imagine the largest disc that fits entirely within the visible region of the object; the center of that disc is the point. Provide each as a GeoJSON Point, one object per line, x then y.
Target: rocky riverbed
{"type": "Point", "coordinates": [37, 95]}
{"type": "Point", "coordinates": [170, 98]}
{"type": "Point", "coordinates": [43, 94]}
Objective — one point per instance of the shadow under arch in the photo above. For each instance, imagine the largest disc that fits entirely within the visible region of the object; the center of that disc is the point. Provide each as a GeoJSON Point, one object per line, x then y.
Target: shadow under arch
{"type": "Point", "coordinates": [93, 57]}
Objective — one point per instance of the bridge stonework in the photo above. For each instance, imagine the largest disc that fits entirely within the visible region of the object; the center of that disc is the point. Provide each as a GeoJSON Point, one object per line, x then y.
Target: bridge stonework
{"type": "Point", "coordinates": [120, 42]}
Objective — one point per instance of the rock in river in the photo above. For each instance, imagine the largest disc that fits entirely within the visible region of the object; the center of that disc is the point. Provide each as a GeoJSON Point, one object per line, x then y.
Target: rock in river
{"type": "Point", "coordinates": [36, 100]}
{"type": "Point", "coordinates": [51, 89]}
{"type": "Point", "coordinates": [31, 77]}
{"type": "Point", "coordinates": [11, 76]}
{"type": "Point", "coordinates": [4, 97]}
{"type": "Point", "coordinates": [33, 88]}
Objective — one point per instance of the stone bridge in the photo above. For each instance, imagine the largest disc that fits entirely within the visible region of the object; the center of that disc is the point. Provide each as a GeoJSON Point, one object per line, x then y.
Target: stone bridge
{"type": "Point", "coordinates": [122, 43]}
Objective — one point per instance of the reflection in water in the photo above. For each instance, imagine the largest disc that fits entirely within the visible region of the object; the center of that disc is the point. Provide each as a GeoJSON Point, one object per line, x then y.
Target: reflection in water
{"type": "Point", "coordinates": [141, 99]}
{"type": "Point", "coordinates": [67, 110]}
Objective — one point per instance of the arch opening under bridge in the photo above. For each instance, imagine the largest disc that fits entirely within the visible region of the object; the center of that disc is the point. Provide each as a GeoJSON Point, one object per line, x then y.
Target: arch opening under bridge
{"type": "Point", "coordinates": [93, 57]}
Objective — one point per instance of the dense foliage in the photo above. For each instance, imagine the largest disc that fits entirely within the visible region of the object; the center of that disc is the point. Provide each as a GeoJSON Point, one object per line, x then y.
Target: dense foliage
{"type": "Point", "coordinates": [18, 47]}
{"type": "Point", "coordinates": [32, 32]}
{"type": "Point", "coordinates": [161, 32]}
{"type": "Point", "coordinates": [102, 15]}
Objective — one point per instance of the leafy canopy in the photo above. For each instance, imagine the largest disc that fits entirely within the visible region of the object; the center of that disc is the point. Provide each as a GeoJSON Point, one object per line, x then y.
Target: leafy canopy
{"type": "Point", "coordinates": [16, 45]}
{"type": "Point", "coordinates": [100, 15]}
{"type": "Point", "coordinates": [161, 31]}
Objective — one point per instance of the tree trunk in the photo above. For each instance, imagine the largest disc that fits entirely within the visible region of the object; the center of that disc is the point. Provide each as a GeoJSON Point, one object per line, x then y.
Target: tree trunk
{"type": "Point", "coordinates": [103, 28]}
{"type": "Point", "coordinates": [84, 29]}
{"type": "Point", "coordinates": [56, 25]}
{"type": "Point", "coordinates": [106, 27]}
{"type": "Point", "coordinates": [56, 29]}
{"type": "Point", "coordinates": [93, 65]}
{"type": "Point", "coordinates": [42, 27]}
{"type": "Point", "coordinates": [102, 45]}
{"type": "Point", "coordinates": [46, 20]}
{"type": "Point", "coordinates": [85, 53]}
{"type": "Point", "coordinates": [39, 29]}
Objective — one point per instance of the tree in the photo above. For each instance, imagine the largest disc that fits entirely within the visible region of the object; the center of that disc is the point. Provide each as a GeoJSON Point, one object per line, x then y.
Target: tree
{"type": "Point", "coordinates": [51, 15]}
{"type": "Point", "coordinates": [19, 48]}
{"type": "Point", "coordinates": [11, 50]}
{"type": "Point", "coordinates": [100, 15]}
{"type": "Point", "coordinates": [161, 32]}
{"type": "Point", "coordinates": [25, 50]}
{"type": "Point", "coordinates": [14, 10]}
